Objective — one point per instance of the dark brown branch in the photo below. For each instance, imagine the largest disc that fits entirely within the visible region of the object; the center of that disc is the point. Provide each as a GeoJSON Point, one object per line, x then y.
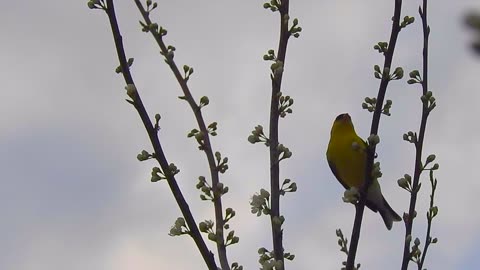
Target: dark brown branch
{"type": "Point", "coordinates": [360, 207]}
{"type": "Point", "coordinates": [419, 142]}
{"type": "Point", "coordinates": [217, 201]}
{"type": "Point", "coordinates": [152, 133]}
{"type": "Point", "coordinates": [277, 234]}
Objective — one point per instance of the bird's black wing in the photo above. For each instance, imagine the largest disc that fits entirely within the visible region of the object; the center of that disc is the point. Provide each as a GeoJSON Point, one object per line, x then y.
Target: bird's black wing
{"type": "Point", "coordinates": [369, 204]}
{"type": "Point", "coordinates": [334, 171]}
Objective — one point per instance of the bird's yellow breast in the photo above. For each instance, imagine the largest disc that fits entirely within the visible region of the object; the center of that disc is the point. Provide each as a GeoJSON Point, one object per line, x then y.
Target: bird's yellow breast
{"type": "Point", "coordinates": [348, 160]}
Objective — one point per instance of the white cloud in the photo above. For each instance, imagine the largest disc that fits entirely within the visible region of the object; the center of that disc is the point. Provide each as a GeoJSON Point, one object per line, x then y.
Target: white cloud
{"type": "Point", "coordinates": [75, 197]}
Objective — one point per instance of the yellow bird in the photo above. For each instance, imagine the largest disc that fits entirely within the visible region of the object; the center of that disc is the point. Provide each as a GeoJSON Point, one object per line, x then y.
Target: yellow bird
{"type": "Point", "coordinates": [346, 156]}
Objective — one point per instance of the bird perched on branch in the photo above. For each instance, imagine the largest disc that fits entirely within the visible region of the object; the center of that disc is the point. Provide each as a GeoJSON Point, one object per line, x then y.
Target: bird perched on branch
{"type": "Point", "coordinates": [347, 157]}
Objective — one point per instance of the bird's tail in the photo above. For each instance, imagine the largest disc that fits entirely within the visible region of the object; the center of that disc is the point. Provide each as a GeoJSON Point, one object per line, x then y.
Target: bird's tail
{"type": "Point", "coordinates": [388, 214]}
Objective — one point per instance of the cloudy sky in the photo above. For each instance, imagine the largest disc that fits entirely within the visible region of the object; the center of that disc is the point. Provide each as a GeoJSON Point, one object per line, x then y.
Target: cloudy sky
{"type": "Point", "coordinates": [74, 196]}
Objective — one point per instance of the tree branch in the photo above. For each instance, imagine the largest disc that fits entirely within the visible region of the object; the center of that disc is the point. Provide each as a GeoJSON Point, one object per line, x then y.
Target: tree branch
{"type": "Point", "coordinates": [360, 207]}
{"type": "Point", "coordinates": [277, 233]}
{"type": "Point", "coordinates": [152, 133]}
{"type": "Point", "coordinates": [418, 143]}
{"type": "Point", "coordinates": [217, 201]}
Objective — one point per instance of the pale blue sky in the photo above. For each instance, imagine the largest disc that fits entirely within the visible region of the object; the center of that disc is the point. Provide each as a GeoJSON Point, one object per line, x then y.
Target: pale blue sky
{"type": "Point", "coordinates": [74, 196]}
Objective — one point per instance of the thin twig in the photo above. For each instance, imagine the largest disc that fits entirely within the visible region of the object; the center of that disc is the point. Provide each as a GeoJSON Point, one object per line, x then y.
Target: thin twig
{"type": "Point", "coordinates": [277, 233]}
{"type": "Point", "coordinates": [152, 133]}
{"type": "Point", "coordinates": [217, 201]}
{"type": "Point", "coordinates": [428, 237]}
{"type": "Point", "coordinates": [360, 207]}
{"type": "Point", "coordinates": [419, 142]}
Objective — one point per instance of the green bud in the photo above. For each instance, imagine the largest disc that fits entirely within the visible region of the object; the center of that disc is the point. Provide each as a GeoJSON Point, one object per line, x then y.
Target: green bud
{"type": "Point", "coordinates": [262, 250]}
{"type": "Point", "coordinates": [199, 136]}
{"type": "Point", "coordinates": [204, 101]}
{"type": "Point", "coordinates": [430, 158]}
{"type": "Point", "coordinates": [174, 232]}
{"type": "Point", "coordinates": [373, 139]}
{"type": "Point", "coordinates": [212, 237]}
{"type": "Point", "coordinates": [153, 27]}
{"type": "Point", "coordinates": [411, 81]}
{"type": "Point", "coordinates": [220, 186]}
{"type": "Point", "coordinates": [131, 91]}
{"type": "Point", "coordinates": [386, 72]}
{"type": "Point", "coordinates": [173, 169]}
{"type": "Point", "coordinates": [155, 178]}
{"type": "Point", "coordinates": [130, 61]}
{"type": "Point", "coordinates": [162, 31]}
{"type": "Point", "coordinates": [417, 241]}
{"type": "Point", "coordinates": [398, 73]}
{"type": "Point", "coordinates": [140, 157]}
{"type": "Point", "coordinates": [205, 189]}
{"type": "Point", "coordinates": [253, 139]}
{"type": "Point", "coordinates": [403, 183]}
{"type": "Point", "coordinates": [414, 74]}
{"type": "Point", "coordinates": [203, 227]}
{"type": "Point", "coordinates": [277, 221]}
{"type": "Point", "coordinates": [200, 185]}
{"type": "Point", "coordinates": [157, 117]}
{"type": "Point", "coordinates": [235, 240]}
{"type": "Point", "coordinates": [180, 222]}
{"type": "Point", "coordinates": [264, 193]}
{"type": "Point", "coordinates": [408, 239]}
{"type": "Point", "coordinates": [423, 98]}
